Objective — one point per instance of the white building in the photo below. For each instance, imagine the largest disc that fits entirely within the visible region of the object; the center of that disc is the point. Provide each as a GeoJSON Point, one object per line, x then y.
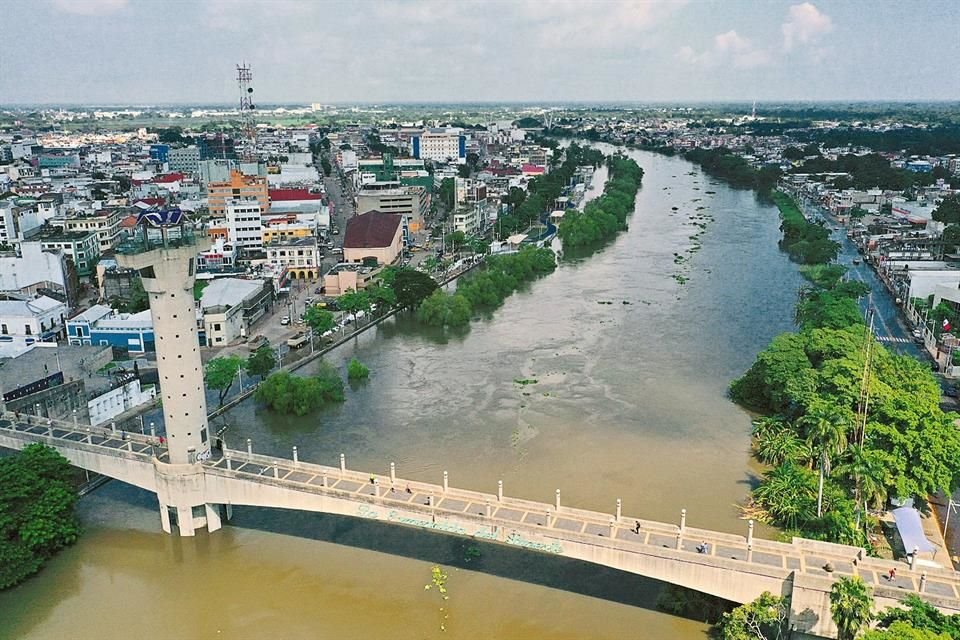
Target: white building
{"type": "Point", "coordinates": [28, 321]}
{"type": "Point", "coordinates": [300, 256]}
{"type": "Point", "coordinates": [109, 405]}
{"type": "Point", "coordinates": [440, 145]}
{"type": "Point", "coordinates": [244, 227]}
{"type": "Point", "coordinates": [34, 269]}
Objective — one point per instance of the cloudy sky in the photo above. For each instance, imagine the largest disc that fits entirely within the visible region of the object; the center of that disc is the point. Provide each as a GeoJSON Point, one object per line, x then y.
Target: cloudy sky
{"type": "Point", "coordinates": [167, 51]}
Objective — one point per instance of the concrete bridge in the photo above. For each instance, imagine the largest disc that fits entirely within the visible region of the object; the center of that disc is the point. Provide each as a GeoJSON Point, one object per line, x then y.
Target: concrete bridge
{"type": "Point", "coordinates": [734, 567]}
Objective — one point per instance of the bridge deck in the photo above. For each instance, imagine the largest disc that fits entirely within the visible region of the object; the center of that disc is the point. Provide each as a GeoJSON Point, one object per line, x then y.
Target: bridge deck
{"type": "Point", "coordinates": [803, 556]}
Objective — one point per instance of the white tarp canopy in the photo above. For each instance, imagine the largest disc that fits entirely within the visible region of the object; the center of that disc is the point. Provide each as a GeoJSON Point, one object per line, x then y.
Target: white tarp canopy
{"type": "Point", "coordinates": [911, 530]}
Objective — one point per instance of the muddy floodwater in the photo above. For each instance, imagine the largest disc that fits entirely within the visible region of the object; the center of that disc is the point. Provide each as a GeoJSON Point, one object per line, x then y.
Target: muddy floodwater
{"type": "Point", "coordinates": [631, 347]}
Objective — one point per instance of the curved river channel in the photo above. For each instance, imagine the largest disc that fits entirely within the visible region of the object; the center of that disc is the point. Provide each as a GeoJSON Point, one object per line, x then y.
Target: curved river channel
{"type": "Point", "coordinates": [630, 402]}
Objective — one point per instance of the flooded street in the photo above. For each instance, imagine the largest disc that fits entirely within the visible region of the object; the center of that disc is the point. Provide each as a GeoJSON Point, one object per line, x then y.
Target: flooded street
{"type": "Point", "coordinates": [632, 351]}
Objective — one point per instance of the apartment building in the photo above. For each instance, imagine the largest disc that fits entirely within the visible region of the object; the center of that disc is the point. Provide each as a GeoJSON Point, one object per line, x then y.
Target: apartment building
{"type": "Point", "coordinates": [238, 187]}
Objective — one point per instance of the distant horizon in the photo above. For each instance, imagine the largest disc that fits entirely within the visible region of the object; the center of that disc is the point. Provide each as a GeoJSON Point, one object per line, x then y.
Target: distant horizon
{"type": "Point", "coordinates": [494, 103]}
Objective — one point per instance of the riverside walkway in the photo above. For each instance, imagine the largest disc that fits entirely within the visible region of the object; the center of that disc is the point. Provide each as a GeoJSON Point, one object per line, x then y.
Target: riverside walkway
{"type": "Point", "coordinates": [735, 567]}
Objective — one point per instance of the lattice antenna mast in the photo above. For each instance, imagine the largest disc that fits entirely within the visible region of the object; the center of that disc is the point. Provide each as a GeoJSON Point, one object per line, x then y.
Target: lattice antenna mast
{"type": "Point", "coordinates": [247, 109]}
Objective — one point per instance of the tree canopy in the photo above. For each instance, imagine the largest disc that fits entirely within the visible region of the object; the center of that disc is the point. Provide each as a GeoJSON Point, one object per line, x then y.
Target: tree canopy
{"type": "Point", "coordinates": [285, 392]}
{"type": "Point", "coordinates": [36, 511]}
{"type": "Point", "coordinates": [318, 319]}
{"type": "Point", "coordinates": [410, 286]}
{"type": "Point", "coordinates": [221, 372]}
{"type": "Point", "coordinates": [261, 362]}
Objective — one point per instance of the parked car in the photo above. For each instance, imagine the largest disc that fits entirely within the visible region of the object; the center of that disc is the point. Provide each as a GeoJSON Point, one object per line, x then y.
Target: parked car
{"type": "Point", "coordinates": [285, 320]}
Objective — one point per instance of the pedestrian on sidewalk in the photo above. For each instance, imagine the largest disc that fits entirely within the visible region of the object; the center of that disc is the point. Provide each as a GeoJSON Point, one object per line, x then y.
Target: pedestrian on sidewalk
{"type": "Point", "coordinates": [636, 528]}
{"type": "Point", "coordinates": [892, 575]}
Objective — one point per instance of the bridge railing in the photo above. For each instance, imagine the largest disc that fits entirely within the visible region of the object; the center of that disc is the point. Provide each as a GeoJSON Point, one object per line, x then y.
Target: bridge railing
{"type": "Point", "coordinates": [798, 548]}
{"type": "Point", "coordinates": [109, 432]}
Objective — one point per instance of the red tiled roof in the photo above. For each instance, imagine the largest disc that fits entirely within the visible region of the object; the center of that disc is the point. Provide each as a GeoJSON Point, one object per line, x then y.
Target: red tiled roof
{"type": "Point", "coordinates": [371, 230]}
{"type": "Point", "coordinates": [532, 168]}
{"type": "Point", "coordinates": [128, 222]}
{"type": "Point", "coordinates": [283, 195]}
{"type": "Point", "coordinates": [153, 202]}
{"type": "Point", "coordinates": [168, 178]}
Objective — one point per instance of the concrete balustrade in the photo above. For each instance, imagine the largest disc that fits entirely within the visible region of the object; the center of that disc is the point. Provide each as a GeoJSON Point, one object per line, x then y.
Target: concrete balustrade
{"type": "Point", "coordinates": [735, 567]}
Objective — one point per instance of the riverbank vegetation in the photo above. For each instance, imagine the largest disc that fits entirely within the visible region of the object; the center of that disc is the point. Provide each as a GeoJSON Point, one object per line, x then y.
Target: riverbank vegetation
{"type": "Point", "coordinates": [605, 216]}
{"type": "Point", "coordinates": [356, 370]}
{"type": "Point", "coordinates": [733, 169]}
{"type": "Point", "coordinates": [37, 519]}
{"type": "Point", "coordinates": [805, 241]}
{"type": "Point", "coordinates": [486, 288]}
{"type": "Point", "coordinates": [852, 611]}
{"type": "Point", "coordinates": [544, 190]}
{"type": "Point", "coordinates": [299, 395]}
{"type": "Point", "coordinates": [833, 455]}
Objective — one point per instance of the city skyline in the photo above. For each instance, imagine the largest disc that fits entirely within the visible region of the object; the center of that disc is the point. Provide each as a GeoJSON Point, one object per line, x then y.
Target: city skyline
{"type": "Point", "coordinates": [130, 52]}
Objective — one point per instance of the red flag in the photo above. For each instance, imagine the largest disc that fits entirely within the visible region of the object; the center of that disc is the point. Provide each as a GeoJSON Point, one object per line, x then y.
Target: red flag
{"type": "Point", "coordinates": [946, 325]}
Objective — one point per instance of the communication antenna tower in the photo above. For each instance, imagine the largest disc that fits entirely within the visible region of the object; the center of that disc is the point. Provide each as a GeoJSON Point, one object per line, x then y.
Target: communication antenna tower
{"type": "Point", "coordinates": [247, 108]}
{"type": "Point", "coordinates": [753, 114]}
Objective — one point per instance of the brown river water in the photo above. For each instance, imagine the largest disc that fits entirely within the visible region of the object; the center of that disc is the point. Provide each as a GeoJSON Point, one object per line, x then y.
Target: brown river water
{"type": "Point", "coordinates": [630, 402]}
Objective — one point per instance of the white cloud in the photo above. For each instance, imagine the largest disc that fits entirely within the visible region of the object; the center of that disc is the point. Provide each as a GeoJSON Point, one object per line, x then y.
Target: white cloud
{"type": "Point", "coordinates": [729, 48]}
{"type": "Point", "coordinates": [90, 7]}
{"type": "Point", "coordinates": [805, 23]}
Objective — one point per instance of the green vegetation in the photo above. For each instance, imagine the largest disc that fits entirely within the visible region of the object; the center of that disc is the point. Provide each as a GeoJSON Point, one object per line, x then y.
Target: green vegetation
{"type": "Point", "coordinates": [486, 289]}
{"type": "Point", "coordinates": [851, 606]}
{"type": "Point", "coordinates": [354, 301]}
{"type": "Point", "coordinates": [438, 580]}
{"type": "Point", "coordinates": [318, 319]}
{"type": "Point", "coordinates": [948, 211]}
{"type": "Point", "coordinates": [261, 362]}
{"type": "Point", "coordinates": [287, 393]}
{"type": "Point", "coordinates": [441, 309]}
{"type": "Point", "coordinates": [410, 287]}
{"type": "Point", "coordinates": [356, 370]}
{"type": "Point", "coordinates": [221, 372]}
{"type": "Point", "coordinates": [728, 166]}
{"type": "Point", "coordinates": [867, 171]}
{"type": "Point", "coordinates": [831, 462]}
{"type": "Point", "coordinates": [36, 511]}
{"type": "Point", "coordinates": [544, 190]}
{"type": "Point", "coordinates": [762, 619]}
{"type": "Point", "coordinates": [604, 217]}
{"type": "Point", "coordinates": [805, 242]}
{"type": "Point", "coordinates": [938, 140]}
{"type": "Point", "coordinates": [198, 287]}
{"type": "Point", "coordinates": [918, 617]}
{"type": "Point", "coordinates": [823, 275]}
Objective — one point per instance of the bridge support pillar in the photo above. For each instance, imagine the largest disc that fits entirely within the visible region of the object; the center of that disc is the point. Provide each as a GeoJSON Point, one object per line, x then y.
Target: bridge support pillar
{"type": "Point", "coordinates": [214, 523]}
{"type": "Point", "coordinates": [165, 518]}
{"type": "Point", "coordinates": [185, 521]}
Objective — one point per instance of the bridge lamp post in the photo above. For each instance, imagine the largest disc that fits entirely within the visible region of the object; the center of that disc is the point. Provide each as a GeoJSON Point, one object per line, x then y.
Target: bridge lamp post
{"type": "Point", "coordinates": [557, 501]}
{"type": "Point", "coordinates": [446, 481]}
{"type": "Point", "coordinates": [74, 418]}
{"type": "Point", "coordinates": [249, 447]}
{"type": "Point", "coordinates": [683, 520]}
{"type": "Point", "coordinates": [619, 509]}
{"type": "Point", "coordinates": [500, 490]}
{"type": "Point", "coordinates": [37, 405]}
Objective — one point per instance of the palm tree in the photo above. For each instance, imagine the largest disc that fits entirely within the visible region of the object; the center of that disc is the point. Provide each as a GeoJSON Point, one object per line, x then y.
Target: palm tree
{"type": "Point", "coordinates": [786, 493]}
{"type": "Point", "coordinates": [777, 447]}
{"type": "Point", "coordinates": [870, 477]}
{"type": "Point", "coordinates": [827, 434]}
{"type": "Point", "coordinates": [851, 606]}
